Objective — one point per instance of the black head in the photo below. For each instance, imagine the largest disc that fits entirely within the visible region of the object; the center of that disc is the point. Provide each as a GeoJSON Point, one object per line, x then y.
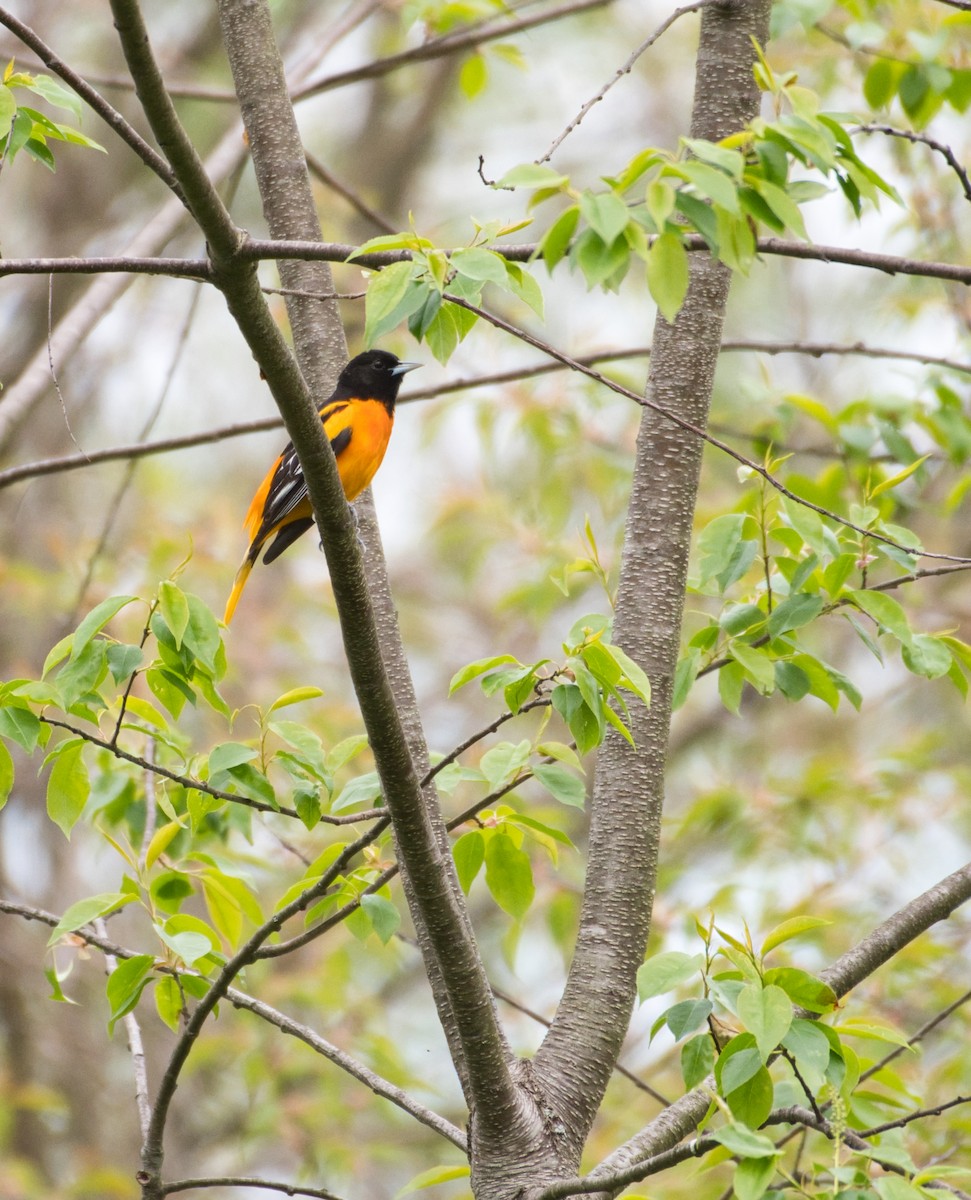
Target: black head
{"type": "Point", "coordinates": [373, 375]}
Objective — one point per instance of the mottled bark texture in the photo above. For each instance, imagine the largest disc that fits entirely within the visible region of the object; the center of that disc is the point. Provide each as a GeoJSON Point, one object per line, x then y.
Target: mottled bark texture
{"type": "Point", "coordinates": [575, 1060]}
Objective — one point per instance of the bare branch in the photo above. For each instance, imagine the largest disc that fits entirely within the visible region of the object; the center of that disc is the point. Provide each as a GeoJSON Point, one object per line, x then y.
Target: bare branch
{"type": "Point", "coordinates": [135, 1045]}
{"type": "Point", "coordinates": [888, 939]}
{"type": "Point", "coordinates": [621, 72]}
{"type": "Point", "coordinates": [185, 268]}
{"type": "Point", "coordinates": [380, 1087]}
{"type": "Point", "coordinates": [689, 427]}
{"type": "Point", "coordinates": [452, 43]}
{"type": "Point", "coordinates": [919, 1036]}
{"type": "Point", "coordinates": [53, 466]}
{"type": "Point", "coordinates": [917, 1115]}
{"type": "Point", "coordinates": [245, 1181]}
{"type": "Point", "coordinates": [922, 139]}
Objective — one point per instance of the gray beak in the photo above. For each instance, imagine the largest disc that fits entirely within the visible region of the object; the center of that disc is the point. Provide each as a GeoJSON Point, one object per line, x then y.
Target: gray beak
{"type": "Point", "coordinates": [404, 367]}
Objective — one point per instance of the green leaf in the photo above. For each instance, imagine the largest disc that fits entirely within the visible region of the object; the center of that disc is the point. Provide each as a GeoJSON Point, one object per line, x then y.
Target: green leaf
{"type": "Point", "coordinates": [174, 607]}
{"type": "Point", "coordinates": [606, 214]}
{"type": "Point", "coordinates": [555, 242]}
{"type": "Point", "coordinates": [667, 274]}
{"type": "Point", "coordinates": [469, 855]}
{"type": "Point", "coordinates": [759, 668]}
{"type": "Point", "coordinates": [503, 761]}
{"type": "Point", "coordinates": [521, 281]}
{"type": "Point", "coordinates": [168, 1001]}
{"type": "Point", "coordinates": [123, 660]}
{"type": "Point", "coordinates": [894, 480]}
{"type": "Point", "coordinates": [927, 656]}
{"type": "Point", "coordinates": [363, 789]}
{"type": "Point", "coordinates": [738, 1062]}
{"type": "Point", "coordinates": [478, 263]}
{"type": "Point", "coordinates": [809, 1046]}
{"type": "Point", "coordinates": [125, 985]}
{"type": "Point", "coordinates": [892, 1187]}
{"type": "Point", "coordinates": [687, 1016]}
{"type": "Point", "coordinates": [479, 667]}
{"type": "Point", "coordinates": [68, 787]}
{"type": "Point", "coordinates": [96, 620]}
{"type": "Point", "coordinates": [161, 839]}
{"type": "Point", "coordinates": [697, 1059]}
{"type": "Point", "coordinates": [585, 724]}
{"type": "Point", "coordinates": [561, 783]}
{"type": "Point", "coordinates": [84, 911]}
{"type": "Point", "coordinates": [794, 612]}
{"type": "Point", "coordinates": [802, 988]}
{"type": "Point", "coordinates": [227, 755]}
{"type": "Point", "coordinates": [766, 1012]}
{"type": "Point", "coordinates": [383, 915]}
{"type": "Point", "coordinates": [189, 945]}
{"type": "Point", "coordinates": [432, 1176]}
{"type": "Point", "coordinates": [295, 696]}
{"type": "Point", "coordinates": [509, 875]}
{"type": "Point", "coordinates": [873, 1032]}
{"type": "Point", "coordinates": [473, 75]}
{"type": "Point", "coordinates": [386, 292]}
{"type": "Point", "coordinates": [665, 971]}
{"type": "Point", "coordinates": [752, 1177]}
{"type": "Point", "coordinates": [8, 109]}
{"type": "Point", "coordinates": [633, 677]}
{"type": "Point", "coordinates": [731, 683]}
{"type": "Point", "coordinates": [532, 175]}
{"type": "Point", "coordinates": [6, 774]}
{"type": "Point", "coordinates": [21, 726]}
{"type": "Point", "coordinates": [885, 610]}
{"type": "Point", "coordinates": [752, 1102]}
{"type": "Point", "coordinates": [790, 929]}
{"type": "Point", "coordinates": [745, 1143]}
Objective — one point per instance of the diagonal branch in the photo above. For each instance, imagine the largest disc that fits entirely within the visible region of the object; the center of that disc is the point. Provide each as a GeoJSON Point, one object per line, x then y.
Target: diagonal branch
{"type": "Point", "coordinates": [380, 1087]}
{"type": "Point", "coordinates": [936, 904]}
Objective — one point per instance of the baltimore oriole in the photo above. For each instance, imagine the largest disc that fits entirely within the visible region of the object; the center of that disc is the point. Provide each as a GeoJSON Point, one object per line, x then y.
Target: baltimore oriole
{"type": "Point", "coordinates": [357, 418]}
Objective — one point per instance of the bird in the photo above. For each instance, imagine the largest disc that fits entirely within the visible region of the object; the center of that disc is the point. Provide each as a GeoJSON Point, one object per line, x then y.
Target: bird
{"type": "Point", "coordinates": [357, 418]}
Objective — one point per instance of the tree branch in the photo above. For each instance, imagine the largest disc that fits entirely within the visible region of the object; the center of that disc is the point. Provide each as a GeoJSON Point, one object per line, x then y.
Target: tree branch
{"type": "Point", "coordinates": [908, 923]}
{"type": "Point", "coordinates": [246, 1181]}
{"type": "Point", "coordinates": [437, 898]}
{"type": "Point", "coordinates": [451, 43]}
{"type": "Point", "coordinates": [577, 1055]}
{"type": "Point", "coordinates": [380, 1087]}
{"type": "Point", "coordinates": [621, 72]}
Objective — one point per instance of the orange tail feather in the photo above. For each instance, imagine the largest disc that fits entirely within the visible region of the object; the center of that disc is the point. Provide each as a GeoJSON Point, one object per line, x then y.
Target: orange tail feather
{"type": "Point", "coordinates": [240, 582]}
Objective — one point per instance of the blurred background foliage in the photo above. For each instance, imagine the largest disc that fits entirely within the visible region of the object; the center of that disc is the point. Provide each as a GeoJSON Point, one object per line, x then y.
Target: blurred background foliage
{"type": "Point", "coordinates": [502, 511]}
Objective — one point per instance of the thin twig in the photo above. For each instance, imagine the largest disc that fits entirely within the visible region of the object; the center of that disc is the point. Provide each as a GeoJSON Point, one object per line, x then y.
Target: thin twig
{"type": "Point", "coordinates": [358, 203]}
{"type": "Point", "coordinates": [380, 1087]}
{"type": "Point", "coordinates": [912, 136]}
{"type": "Point", "coordinates": [135, 1044]}
{"type": "Point", "coordinates": [53, 369]}
{"type": "Point", "coordinates": [53, 466]}
{"type": "Point", "coordinates": [449, 44]}
{"type": "Point", "coordinates": [621, 72]}
{"type": "Point", "coordinates": [645, 402]}
{"type": "Point", "coordinates": [199, 785]}
{"type": "Point", "coordinates": [916, 1115]}
{"type": "Point", "coordinates": [245, 1181]}
{"type": "Point", "coordinates": [919, 1036]}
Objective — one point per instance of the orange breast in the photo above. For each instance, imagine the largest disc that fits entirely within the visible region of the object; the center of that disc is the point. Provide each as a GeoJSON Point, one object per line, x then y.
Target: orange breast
{"type": "Point", "coordinates": [370, 431]}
